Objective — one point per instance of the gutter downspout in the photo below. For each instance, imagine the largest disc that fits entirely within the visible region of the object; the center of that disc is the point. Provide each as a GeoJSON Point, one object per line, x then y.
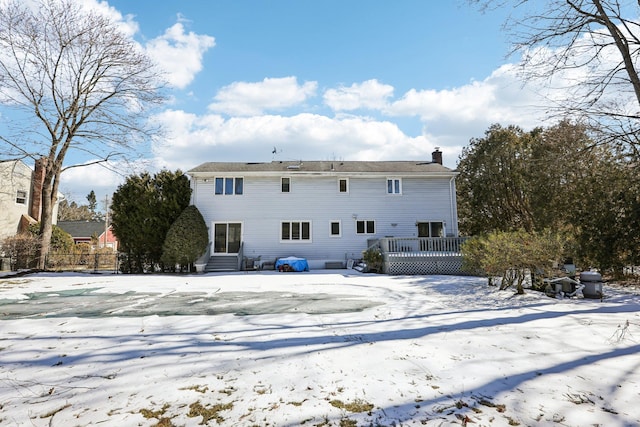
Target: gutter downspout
{"type": "Point", "coordinates": [453, 204]}
{"type": "Point", "coordinates": [194, 192]}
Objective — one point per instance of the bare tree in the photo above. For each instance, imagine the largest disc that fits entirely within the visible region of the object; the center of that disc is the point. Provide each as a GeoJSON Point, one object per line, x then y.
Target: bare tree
{"type": "Point", "coordinates": [587, 49]}
{"type": "Point", "coordinates": [76, 82]}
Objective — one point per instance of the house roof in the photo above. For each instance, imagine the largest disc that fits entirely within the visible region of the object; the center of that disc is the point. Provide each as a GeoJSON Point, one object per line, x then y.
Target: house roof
{"type": "Point", "coordinates": [403, 167]}
{"type": "Point", "coordinates": [85, 229]}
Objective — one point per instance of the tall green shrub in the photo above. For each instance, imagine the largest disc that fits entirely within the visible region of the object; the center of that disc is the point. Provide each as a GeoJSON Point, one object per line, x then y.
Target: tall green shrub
{"type": "Point", "coordinates": [143, 209]}
{"type": "Point", "coordinates": [556, 178]}
{"type": "Point", "coordinates": [187, 239]}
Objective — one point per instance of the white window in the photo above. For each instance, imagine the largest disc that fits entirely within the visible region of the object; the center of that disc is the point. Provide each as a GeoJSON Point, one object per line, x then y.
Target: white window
{"type": "Point", "coordinates": [286, 185]}
{"type": "Point", "coordinates": [343, 185]}
{"type": "Point", "coordinates": [365, 227]}
{"type": "Point", "coordinates": [431, 229]}
{"type": "Point", "coordinates": [335, 227]}
{"type": "Point", "coordinates": [229, 185]}
{"type": "Point", "coordinates": [295, 231]}
{"type": "Point", "coordinates": [394, 186]}
{"type": "Point", "coordinates": [21, 197]}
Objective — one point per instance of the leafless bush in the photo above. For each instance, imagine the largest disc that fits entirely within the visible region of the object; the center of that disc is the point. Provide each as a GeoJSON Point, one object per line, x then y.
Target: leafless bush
{"type": "Point", "coordinates": [22, 250]}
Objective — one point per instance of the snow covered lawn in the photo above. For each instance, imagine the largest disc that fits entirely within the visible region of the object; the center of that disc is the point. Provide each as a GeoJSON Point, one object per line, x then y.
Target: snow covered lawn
{"type": "Point", "coordinates": [321, 348]}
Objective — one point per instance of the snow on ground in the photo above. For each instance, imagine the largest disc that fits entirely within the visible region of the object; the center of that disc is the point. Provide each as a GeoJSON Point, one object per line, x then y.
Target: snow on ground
{"type": "Point", "coordinates": [323, 348]}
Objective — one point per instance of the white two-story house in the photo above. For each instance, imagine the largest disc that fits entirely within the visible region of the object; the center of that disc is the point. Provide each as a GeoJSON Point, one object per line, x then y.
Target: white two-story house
{"type": "Point", "coordinates": [324, 211]}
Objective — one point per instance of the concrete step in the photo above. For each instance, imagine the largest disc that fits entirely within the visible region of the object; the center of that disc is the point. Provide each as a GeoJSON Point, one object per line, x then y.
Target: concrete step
{"type": "Point", "coordinates": [222, 263]}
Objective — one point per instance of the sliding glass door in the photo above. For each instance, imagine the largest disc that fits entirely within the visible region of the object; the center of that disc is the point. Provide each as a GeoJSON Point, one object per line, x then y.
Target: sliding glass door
{"type": "Point", "coordinates": [227, 237]}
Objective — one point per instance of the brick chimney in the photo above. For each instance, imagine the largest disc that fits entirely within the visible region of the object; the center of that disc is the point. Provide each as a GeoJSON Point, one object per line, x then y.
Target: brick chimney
{"type": "Point", "coordinates": [436, 156]}
{"type": "Point", "coordinates": [35, 209]}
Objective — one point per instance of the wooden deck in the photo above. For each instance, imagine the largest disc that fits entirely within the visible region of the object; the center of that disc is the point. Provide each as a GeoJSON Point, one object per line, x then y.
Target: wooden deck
{"type": "Point", "coordinates": [422, 255]}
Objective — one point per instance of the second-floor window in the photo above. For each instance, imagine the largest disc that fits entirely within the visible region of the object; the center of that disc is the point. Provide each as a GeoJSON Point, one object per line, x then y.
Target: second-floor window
{"type": "Point", "coordinates": [286, 185]}
{"type": "Point", "coordinates": [394, 186]}
{"type": "Point", "coordinates": [21, 197]}
{"type": "Point", "coordinates": [229, 185]}
{"type": "Point", "coordinates": [343, 185]}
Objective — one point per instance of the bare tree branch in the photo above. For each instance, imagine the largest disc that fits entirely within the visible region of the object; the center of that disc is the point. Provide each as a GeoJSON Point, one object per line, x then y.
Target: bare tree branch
{"type": "Point", "coordinates": [79, 85]}
{"type": "Point", "coordinates": [588, 49]}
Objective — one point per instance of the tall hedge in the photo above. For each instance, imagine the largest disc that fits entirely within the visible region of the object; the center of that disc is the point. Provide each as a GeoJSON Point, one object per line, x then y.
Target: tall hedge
{"type": "Point", "coordinates": [186, 240]}
{"type": "Point", "coordinates": [143, 209]}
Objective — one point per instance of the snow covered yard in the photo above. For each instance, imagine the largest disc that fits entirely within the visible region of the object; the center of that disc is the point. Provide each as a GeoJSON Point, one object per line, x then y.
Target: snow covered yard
{"type": "Point", "coordinates": [323, 348]}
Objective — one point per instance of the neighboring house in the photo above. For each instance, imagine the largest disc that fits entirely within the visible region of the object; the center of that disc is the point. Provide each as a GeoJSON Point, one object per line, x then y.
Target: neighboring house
{"type": "Point", "coordinates": [324, 211]}
{"type": "Point", "coordinates": [20, 196]}
{"type": "Point", "coordinates": [91, 232]}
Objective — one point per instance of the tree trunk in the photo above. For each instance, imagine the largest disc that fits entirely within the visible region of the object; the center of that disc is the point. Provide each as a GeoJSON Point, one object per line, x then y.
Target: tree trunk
{"type": "Point", "coordinates": [46, 227]}
{"type": "Point", "coordinates": [519, 287]}
{"type": "Point", "coordinates": [49, 198]}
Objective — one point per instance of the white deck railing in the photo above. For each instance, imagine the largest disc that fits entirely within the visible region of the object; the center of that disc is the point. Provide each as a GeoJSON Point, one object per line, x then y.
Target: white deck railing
{"type": "Point", "coordinates": [421, 245]}
{"type": "Point", "coordinates": [421, 255]}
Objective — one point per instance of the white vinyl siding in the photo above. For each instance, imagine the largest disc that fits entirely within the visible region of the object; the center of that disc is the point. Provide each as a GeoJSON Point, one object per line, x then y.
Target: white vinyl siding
{"type": "Point", "coordinates": [316, 199]}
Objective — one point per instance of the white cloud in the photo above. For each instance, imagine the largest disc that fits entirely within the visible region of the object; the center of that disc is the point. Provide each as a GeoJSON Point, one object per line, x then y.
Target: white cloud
{"type": "Point", "coordinates": [271, 94]}
{"type": "Point", "coordinates": [193, 139]}
{"type": "Point", "coordinates": [369, 94]}
{"type": "Point", "coordinates": [126, 23]}
{"type": "Point", "coordinates": [500, 98]}
{"type": "Point", "coordinates": [590, 76]}
{"type": "Point", "coordinates": [179, 54]}
{"type": "Point", "coordinates": [449, 119]}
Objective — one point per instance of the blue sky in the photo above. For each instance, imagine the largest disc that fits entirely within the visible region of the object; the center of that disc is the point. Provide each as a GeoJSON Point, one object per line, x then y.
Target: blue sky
{"type": "Point", "coordinates": [413, 43]}
{"type": "Point", "coordinates": [318, 80]}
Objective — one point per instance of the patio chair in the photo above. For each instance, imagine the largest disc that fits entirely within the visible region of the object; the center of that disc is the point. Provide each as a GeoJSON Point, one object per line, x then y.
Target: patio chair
{"type": "Point", "coordinates": [251, 263]}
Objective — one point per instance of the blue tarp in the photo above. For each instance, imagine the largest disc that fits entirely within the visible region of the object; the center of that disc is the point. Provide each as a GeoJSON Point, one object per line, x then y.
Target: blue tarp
{"type": "Point", "coordinates": [296, 264]}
